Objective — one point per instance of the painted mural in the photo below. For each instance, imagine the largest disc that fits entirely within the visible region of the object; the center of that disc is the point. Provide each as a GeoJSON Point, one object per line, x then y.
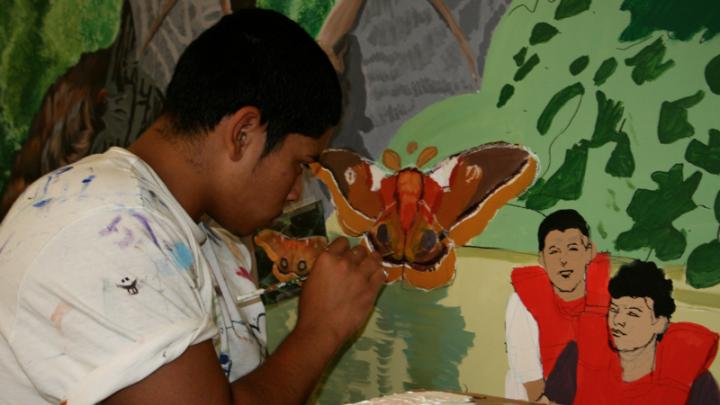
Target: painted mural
{"type": "Point", "coordinates": [616, 100]}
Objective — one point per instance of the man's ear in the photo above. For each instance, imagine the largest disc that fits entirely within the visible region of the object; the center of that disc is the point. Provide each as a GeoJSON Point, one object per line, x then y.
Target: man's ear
{"type": "Point", "coordinates": [593, 249]}
{"type": "Point", "coordinates": [541, 259]}
{"type": "Point", "coordinates": [242, 130]}
{"type": "Point", "coordinates": [660, 325]}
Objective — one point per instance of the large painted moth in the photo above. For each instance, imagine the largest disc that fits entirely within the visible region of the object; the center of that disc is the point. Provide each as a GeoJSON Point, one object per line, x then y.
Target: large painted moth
{"type": "Point", "coordinates": [415, 219]}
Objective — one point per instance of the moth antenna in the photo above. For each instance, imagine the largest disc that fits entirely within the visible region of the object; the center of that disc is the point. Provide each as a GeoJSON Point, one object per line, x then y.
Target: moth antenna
{"type": "Point", "coordinates": [391, 160]}
{"type": "Point", "coordinates": [426, 155]}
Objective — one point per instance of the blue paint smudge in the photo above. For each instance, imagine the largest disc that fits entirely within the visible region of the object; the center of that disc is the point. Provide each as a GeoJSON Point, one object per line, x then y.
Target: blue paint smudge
{"type": "Point", "coordinates": [146, 224]}
{"type": "Point", "coordinates": [42, 203]}
{"type": "Point", "coordinates": [111, 227]}
{"type": "Point", "coordinates": [182, 255]}
{"type": "Point", "coordinates": [88, 179]}
{"type": "Point", "coordinates": [63, 170]}
{"type": "Point", "coordinates": [47, 183]}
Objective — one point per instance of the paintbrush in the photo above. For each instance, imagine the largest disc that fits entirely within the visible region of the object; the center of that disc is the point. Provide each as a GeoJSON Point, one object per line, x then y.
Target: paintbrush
{"type": "Point", "coordinates": [241, 299]}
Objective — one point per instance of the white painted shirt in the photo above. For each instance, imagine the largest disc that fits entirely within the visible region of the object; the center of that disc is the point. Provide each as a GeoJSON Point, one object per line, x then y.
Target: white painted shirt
{"type": "Point", "coordinates": [104, 278]}
{"type": "Point", "coordinates": [523, 348]}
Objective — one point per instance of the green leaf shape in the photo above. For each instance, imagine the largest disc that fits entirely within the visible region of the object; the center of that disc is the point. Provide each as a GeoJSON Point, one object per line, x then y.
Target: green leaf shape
{"type": "Point", "coordinates": [556, 103]}
{"type": "Point", "coordinates": [654, 211]}
{"type": "Point", "coordinates": [579, 64]}
{"type": "Point", "coordinates": [565, 184]}
{"type": "Point", "coordinates": [310, 14]}
{"type": "Point", "coordinates": [506, 92]}
{"type": "Point", "coordinates": [648, 63]}
{"type": "Point", "coordinates": [542, 32]}
{"type": "Point", "coordinates": [606, 69]}
{"type": "Point", "coordinates": [705, 156]}
{"type": "Point", "coordinates": [571, 8]}
{"type": "Point", "coordinates": [682, 18]}
{"type": "Point", "coordinates": [609, 115]}
{"type": "Point", "coordinates": [712, 74]}
{"type": "Point", "coordinates": [673, 123]}
{"type": "Point", "coordinates": [527, 67]}
{"type": "Point", "coordinates": [622, 161]}
{"type": "Point", "coordinates": [703, 265]}
{"type": "Point", "coordinates": [519, 57]}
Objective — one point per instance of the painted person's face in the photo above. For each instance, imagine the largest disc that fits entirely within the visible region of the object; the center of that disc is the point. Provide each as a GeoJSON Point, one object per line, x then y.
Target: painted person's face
{"type": "Point", "coordinates": [565, 257]}
{"type": "Point", "coordinates": [632, 323]}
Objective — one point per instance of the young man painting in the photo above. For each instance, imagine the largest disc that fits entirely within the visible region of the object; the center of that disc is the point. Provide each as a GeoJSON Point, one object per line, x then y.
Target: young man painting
{"type": "Point", "coordinates": [634, 354]}
{"type": "Point", "coordinates": [542, 313]}
{"type": "Point", "coordinates": [112, 286]}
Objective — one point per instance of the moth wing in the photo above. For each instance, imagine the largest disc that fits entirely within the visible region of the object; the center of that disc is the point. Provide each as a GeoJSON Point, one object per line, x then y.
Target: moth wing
{"type": "Point", "coordinates": [354, 183]}
{"type": "Point", "coordinates": [442, 274]}
{"type": "Point", "coordinates": [275, 245]}
{"type": "Point", "coordinates": [272, 242]}
{"type": "Point", "coordinates": [477, 183]}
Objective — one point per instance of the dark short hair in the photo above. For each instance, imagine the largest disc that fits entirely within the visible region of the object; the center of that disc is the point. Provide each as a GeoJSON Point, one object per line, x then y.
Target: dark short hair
{"type": "Point", "coordinates": [259, 58]}
{"type": "Point", "coordinates": [561, 220]}
{"type": "Point", "coordinates": [644, 280]}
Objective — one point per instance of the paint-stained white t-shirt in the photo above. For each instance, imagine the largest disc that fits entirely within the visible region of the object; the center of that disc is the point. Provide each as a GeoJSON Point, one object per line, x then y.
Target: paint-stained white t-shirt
{"type": "Point", "coordinates": [523, 348]}
{"type": "Point", "coordinates": [104, 278]}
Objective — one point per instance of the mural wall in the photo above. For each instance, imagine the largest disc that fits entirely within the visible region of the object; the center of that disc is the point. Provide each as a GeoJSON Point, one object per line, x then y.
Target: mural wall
{"type": "Point", "coordinates": [617, 99]}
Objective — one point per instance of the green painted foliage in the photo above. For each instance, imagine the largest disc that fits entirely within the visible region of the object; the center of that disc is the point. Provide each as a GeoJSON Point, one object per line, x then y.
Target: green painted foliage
{"type": "Point", "coordinates": [556, 103]}
{"type": "Point", "coordinates": [712, 74]}
{"type": "Point", "coordinates": [673, 123]}
{"type": "Point", "coordinates": [703, 265]}
{"type": "Point", "coordinates": [542, 32]}
{"type": "Point", "coordinates": [519, 57]}
{"type": "Point", "coordinates": [654, 212]}
{"type": "Point", "coordinates": [606, 123]}
{"type": "Point", "coordinates": [648, 63]}
{"type": "Point", "coordinates": [622, 161]}
{"type": "Point", "coordinates": [565, 184]}
{"type": "Point", "coordinates": [606, 69]}
{"type": "Point", "coordinates": [705, 156]}
{"type": "Point", "coordinates": [579, 64]}
{"type": "Point", "coordinates": [682, 18]}
{"type": "Point", "coordinates": [505, 93]}
{"type": "Point", "coordinates": [571, 8]}
{"type": "Point", "coordinates": [310, 14]}
{"type": "Point", "coordinates": [527, 67]}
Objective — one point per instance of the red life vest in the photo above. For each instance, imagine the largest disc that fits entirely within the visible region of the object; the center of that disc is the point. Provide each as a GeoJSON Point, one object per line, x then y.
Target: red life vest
{"type": "Point", "coordinates": [684, 353]}
{"type": "Point", "coordinates": [557, 319]}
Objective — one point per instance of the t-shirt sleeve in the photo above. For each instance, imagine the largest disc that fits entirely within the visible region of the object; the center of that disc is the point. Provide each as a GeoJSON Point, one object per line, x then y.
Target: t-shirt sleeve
{"type": "Point", "coordinates": [107, 301]}
{"type": "Point", "coordinates": [521, 334]}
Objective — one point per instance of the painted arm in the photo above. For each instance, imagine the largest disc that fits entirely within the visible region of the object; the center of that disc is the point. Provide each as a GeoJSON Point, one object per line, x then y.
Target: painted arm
{"type": "Point", "coordinates": [521, 334]}
{"type": "Point", "coordinates": [335, 302]}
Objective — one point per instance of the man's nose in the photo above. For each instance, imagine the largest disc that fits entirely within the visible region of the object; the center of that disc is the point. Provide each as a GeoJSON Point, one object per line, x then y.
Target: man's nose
{"type": "Point", "coordinates": [619, 320]}
{"type": "Point", "coordinates": [296, 190]}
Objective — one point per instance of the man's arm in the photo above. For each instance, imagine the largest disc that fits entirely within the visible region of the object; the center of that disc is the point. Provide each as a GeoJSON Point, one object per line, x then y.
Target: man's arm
{"type": "Point", "coordinates": [521, 334]}
{"type": "Point", "coordinates": [335, 302]}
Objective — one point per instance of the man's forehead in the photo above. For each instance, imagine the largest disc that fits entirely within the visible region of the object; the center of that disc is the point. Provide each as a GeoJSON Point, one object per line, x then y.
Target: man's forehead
{"type": "Point", "coordinates": [636, 302]}
{"type": "Point", "coordinates": [572, 235]}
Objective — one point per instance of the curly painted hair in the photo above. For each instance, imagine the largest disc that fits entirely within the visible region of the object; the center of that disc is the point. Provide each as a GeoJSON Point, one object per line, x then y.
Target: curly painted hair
{"type": "Point", "coordinates": [644, 279]}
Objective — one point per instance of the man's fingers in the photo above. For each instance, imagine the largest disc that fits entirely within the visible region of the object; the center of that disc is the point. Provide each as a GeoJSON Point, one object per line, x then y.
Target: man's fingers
{"type": "Point", "coordinates": [338, 246]}
{"type": "Point", "coordinates": [357, 254]}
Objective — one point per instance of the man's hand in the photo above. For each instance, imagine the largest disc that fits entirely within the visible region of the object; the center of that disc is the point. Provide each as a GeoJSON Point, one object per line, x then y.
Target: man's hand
{"type": "Point", "coordinates": [340, 292]}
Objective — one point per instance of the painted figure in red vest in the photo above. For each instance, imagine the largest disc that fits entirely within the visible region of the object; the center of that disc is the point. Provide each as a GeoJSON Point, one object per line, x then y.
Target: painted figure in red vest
{"type": "Point", "coordinates": [542, 313]}
{"type": "Point", "coordinates": [634, 354]}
